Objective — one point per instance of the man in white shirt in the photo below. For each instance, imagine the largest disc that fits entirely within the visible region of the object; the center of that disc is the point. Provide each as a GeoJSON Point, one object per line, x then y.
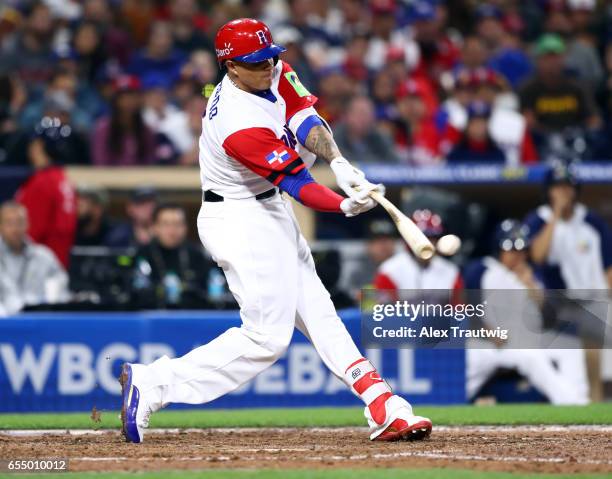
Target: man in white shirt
{"type": "Point", "coordinates": [31, 274]}
{"type": "Point", "coordinates": [514, 297]}
{"type": "Point", "coordinates": [573, 248]}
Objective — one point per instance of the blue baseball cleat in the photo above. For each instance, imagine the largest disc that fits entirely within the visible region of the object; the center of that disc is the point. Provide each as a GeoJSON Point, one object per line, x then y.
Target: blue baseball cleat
{"type": "Point", "coordinates": [135, 412]}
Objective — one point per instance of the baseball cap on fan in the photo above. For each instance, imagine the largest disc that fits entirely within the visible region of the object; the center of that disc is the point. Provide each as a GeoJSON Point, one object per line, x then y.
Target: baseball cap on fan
{"type": "Point", "coordinates": [245, 40]}
{"type": "Point", "coordinates": [422, 11]}
{"type": "Point", "coordinates": [550, 43]}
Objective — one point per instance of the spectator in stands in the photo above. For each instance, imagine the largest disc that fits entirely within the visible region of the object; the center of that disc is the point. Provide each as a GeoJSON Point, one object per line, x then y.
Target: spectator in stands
{"type": "Point", "coordinates": [572, 24]}
{"type": "Point", "coordinates": [61, 93]}
{"type": "Point", "coordinates": [336, 89]}
{"type": "Point", "coordinates": [29, 55]}
{"type": "Point", "coordinates": [170, 272]}
{"type": "Point", "coordinates": [116, 40]}
{"type": "Point", "coordinates": [58, 103]}
{"type": "Point", "coordinates": [418, 140]}
{"type": "Point", "coordinates": [507, 127]}
{"type": "Point", "coordinates": [558, 374]}
{"type": "Point", "coordinates": [358, 137]}
{"type": "Point", "coordinates": [572, 247]}
{"type": "Point", "coordinates": [608, 86]}
{"type": "Point", "coordinates": [385, 35]}
{"type": "Point", "coordinates": [490, 87]}
{"type": "Point", "coordinates": [202, 69]}
{"type": "Point", "coordinates": [88, 50]}
{"type": "Point", "coordinates": [93, 226]}
{"type": "Point", "coordinates": [159, 56]}
{"type": "Point", "coordinates": [383, 95]}
{"type": "Point", "coordinates": [169, 123]}
{"type": "Point", "coordinates": [138, 230]}
{"type": "Point", "coordinates": [452, 114]}
{"type": "Point", "coordinates": [84, 91]}
{"type": "Point", "coordinates": [603, 147]}
{"type": "Point", "coordinates": [186, 23]}
{"type": "Point", "coordinates": [48, 195]}
{"type": "Point", "coordinates": [10, 18]}
{"type": "Point", "coordinates": [308, 18]}
{"type": "Point", "coordinates": [476, 143]}
{"type": "Point", "coordinates": [291, 39]}
{"type": "Point", "coordinates": [194, 110]}
{"type": "Point", "coordinates": [122, 138]}
{"type": "Point", "coordinates": [551, 102]}
{"type": "Point", "coordinates": [474, 54]}
{"type": "Point", "coordinates": [354, 60]}
{"type": "Point", "coordinates": [12, 139]}
{"type": "Point", "coordinates": [505, 52]}
{"type": "Point", "coordinates": [31, 274]}
{"type": "Point", "coordinates": [437, 51]}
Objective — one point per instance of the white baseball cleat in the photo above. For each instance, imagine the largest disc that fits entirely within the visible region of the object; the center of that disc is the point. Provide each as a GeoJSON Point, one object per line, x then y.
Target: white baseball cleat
{"type": "Point", "coordinates": [400, 423]}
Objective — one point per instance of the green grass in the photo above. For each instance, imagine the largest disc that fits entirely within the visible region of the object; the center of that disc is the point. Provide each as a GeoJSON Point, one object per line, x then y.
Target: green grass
{"type": "Point", "coordinates": [313, 474]}
{"type": "Point", "coordinates": [321, 417]}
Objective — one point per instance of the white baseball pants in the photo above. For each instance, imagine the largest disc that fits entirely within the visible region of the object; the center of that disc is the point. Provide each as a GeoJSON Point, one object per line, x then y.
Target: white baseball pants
{"type": "Point", "coordinates": [271, 273]}
{"type": "Point", "coordinates": [565, 384]}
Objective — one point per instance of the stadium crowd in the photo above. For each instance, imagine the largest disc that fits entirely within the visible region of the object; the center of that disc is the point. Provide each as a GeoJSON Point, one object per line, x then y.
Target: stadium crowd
{"type": "Point", "coordinates": [414, 81]}
{"type": "Point", "coordinates": [421, 82]}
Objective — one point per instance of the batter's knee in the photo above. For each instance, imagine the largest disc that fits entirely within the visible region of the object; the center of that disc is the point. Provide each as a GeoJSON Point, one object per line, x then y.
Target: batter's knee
{"type": "Point", "coordinates": [278, 341]}
{"type": "Point", "coordinates": [274, 341]}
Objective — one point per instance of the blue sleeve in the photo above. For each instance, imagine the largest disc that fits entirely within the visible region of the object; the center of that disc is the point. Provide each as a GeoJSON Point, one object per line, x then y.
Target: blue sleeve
{"type": "Point", "coordinates": [534, 223]}
{"type": "Point", "coordinates": [292, 184]}
{"type": "Point", "coordinates": [306, 126]}
{"type": "Point", "coordinates": [472, 279]}
{"type": "Point", "coordinates": [605, 237]}
{"type": "Point", "coordinates": [473, 273]}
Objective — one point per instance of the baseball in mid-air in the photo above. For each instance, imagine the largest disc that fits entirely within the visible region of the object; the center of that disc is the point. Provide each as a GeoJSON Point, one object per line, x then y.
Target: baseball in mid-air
{"type": "Point", "coordinates": [448, 245]}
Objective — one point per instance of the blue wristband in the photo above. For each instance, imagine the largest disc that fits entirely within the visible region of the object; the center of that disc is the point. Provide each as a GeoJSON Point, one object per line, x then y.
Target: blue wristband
{"type": "Point", "coordinates": [292, 184]}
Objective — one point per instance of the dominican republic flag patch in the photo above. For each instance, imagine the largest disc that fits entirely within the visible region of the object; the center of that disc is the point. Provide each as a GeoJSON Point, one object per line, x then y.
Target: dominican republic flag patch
{"type": "Point", "coordinates": [278, 156]}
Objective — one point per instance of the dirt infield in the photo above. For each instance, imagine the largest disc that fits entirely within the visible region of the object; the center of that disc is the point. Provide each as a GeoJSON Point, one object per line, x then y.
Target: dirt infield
{"type": "Point", "coordinates": [561, 449]}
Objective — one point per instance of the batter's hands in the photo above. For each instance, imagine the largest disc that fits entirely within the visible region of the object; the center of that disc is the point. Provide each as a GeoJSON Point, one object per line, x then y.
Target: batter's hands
{"type": "Point", "coordinates": [353, 181]}
{"type": "Point", "coordinates": [351, 207]}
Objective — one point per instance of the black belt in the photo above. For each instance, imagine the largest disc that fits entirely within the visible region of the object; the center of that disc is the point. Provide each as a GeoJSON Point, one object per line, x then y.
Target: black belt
{"type": "Point", "coordinates": [212, 197]}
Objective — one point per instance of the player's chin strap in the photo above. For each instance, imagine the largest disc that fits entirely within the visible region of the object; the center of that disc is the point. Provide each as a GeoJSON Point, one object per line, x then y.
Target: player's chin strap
{"type": "Point", "coordinates": [366, 383]}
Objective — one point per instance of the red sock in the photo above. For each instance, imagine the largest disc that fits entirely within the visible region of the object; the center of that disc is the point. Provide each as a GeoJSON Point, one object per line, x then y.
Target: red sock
{"type": "Point", "coordinates": [370, 387]}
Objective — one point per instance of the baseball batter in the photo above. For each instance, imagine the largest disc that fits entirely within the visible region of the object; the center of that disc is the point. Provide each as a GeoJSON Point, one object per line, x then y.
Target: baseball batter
{"type": "Point", "coordinates": [260, 134]}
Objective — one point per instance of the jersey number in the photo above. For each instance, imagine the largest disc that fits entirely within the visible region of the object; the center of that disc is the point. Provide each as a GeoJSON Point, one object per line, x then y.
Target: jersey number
{"type": "Point", "coordinates": [213, 107]}
{"type": "Point", "coordinates": [289, 138]}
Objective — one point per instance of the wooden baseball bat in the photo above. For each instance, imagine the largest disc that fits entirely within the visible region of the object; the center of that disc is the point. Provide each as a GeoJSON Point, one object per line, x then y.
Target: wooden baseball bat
{"type": "Point", "coordinates": [417, 241]}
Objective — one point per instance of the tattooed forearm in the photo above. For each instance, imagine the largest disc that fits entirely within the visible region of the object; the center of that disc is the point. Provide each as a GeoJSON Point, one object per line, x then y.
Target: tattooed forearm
{"type": "Point", "coordinates": [320, 142]}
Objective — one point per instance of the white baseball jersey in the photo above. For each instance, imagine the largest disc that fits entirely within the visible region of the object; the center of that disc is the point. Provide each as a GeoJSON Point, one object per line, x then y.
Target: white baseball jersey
{"type": "Point", "coordinates": [249, 142]}
{"type": "Point", "coordinates": [580, 251]}
{"type": "Point", "coordinates": [403, 271]}
{"type": "Point", "coordinates": [564, 384]}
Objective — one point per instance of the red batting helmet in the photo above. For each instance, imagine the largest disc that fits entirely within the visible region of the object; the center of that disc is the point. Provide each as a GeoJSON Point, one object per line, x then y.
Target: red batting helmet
{"type": "Point", "coordinates": [246, 40]}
